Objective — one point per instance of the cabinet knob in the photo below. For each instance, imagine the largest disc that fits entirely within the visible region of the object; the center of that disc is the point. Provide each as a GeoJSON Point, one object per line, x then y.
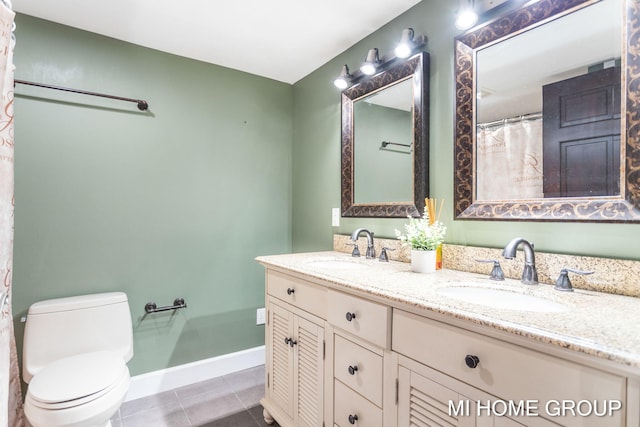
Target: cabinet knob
{"type": "Point", "coordinates": [353, 369]}
{"type": "Point", "coordinates": [350, 316]}
{"type": "Point", "coordinates": [287, 340]}
{"type": "Point", "coordinates": [353, 419]}
{"type": "Point", "coordinates": [290, 291]}
{"type": "Point", "coordinates": [471, 360]}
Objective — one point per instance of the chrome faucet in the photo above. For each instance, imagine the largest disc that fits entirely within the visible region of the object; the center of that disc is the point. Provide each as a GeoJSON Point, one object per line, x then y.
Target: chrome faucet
{"type": "Point", "coordinates": [529, 274]}
{"type": "Point", "coordinates": [371, 252]}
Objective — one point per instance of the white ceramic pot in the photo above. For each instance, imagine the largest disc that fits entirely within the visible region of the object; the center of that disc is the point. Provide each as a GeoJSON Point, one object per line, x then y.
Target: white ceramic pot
{"type": "Point", "coordinates": [423, 261]}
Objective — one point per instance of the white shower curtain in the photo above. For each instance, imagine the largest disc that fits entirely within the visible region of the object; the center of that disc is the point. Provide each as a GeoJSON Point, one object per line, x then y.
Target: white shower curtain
{"type": "Point", "coordinates": [509, 160]}
{"type": "Point", "coordinates": [10, 395]}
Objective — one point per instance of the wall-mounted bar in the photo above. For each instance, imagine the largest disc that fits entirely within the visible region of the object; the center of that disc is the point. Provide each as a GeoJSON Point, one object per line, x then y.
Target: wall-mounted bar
{"type": "Point", "coordinates": [142, 105]}
{"type": "Point", "coordinates": [151, 307]}
{"type": "Point", "coordinates": [385, 143]}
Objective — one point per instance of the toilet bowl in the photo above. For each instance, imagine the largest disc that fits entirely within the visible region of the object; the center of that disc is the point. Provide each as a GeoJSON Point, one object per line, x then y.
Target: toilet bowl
{"type": "Point", "coordinates": [82, 390]}
{"type": "Point", "coordinates": [78, 378]}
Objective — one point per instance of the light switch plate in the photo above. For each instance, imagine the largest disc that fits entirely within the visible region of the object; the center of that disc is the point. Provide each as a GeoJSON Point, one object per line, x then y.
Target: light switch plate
{"type": "Point", "coordinates": [335, 217]}
{"type": "Point", "coordinates": [260, 314]}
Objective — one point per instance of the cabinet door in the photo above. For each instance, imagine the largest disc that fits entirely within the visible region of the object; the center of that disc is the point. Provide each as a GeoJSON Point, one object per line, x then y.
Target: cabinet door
{"type": "Point", "coordinates": [280, 358]}
{"type": "Point", "coordinates": [425, 403]}
{"type": "Point", "coordinates": [309, 369]}
{"type": "Point", "coordinates": [427, 398]}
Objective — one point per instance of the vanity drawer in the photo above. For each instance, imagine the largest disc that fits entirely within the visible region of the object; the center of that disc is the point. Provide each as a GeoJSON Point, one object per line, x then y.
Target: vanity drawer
{"type": "Point", "coordinates": [297, 292]}
{"type": "Point", "coordinates": [348, 403]}
{"type": "Point", "coordinates": [365, 319]}
{"type": "Point", "coordinates": [505, 370]}
{"type": "Point", "coordinates": [358, 368]}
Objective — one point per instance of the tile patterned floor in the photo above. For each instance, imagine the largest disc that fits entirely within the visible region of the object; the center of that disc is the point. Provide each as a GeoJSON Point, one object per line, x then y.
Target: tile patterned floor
{"type": "Point", "coordinates": [228, 401]}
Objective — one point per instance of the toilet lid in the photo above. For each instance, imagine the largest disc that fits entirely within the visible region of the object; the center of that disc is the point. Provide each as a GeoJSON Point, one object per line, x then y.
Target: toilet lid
{"type": "Point", "coordinates": [76, 377]}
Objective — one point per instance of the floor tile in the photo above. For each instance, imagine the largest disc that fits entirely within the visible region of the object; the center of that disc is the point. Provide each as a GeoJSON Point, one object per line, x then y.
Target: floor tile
{"type": "Point", "coordinates": [256, 413]}
{"type": "Point", "coordinates": [213, 387]}
{"type": "Point", "coordinates": [250, 397]}
{"type": "Point", "coordinates": [157, 418]}
{"type": "Point", "coordinates": [201, 410]}
{"type": "Point", "coordinates": [166, 402]}
{"type": "Point", "coordinates": [246, 379]}
{"type": "Point", "coordinates": [229, 400]}
{"type": "Point", "coordinates": [241, 419]}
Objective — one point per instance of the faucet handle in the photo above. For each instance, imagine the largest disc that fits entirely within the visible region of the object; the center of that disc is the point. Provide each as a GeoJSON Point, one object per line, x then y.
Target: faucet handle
{"type": "Point", "coordinates": [356, 251]}
{"type": "Point", "coordinates": [383, 254]}
{"type": "Point", "coordinates": [496, 272]}
{"type": "Point", "coordinates": [563, 283]}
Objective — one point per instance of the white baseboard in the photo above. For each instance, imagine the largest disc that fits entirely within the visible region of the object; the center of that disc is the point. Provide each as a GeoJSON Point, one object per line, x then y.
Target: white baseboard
{"type": "Point", "coordinates": [177, 376]}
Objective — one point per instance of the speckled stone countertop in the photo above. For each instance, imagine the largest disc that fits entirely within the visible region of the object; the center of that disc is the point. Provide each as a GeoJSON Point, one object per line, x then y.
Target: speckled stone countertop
{"type": "Point", "coordinates": [594, 323]}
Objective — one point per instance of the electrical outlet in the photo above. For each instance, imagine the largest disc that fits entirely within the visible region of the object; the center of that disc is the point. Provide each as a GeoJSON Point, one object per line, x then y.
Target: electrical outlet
{"type": "Point", "coordinates": [260, 314]}
{"type": "Point", "coordinates": [335, 217]}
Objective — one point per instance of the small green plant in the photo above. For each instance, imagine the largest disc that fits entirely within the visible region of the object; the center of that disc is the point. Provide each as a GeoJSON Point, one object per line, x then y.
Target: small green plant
{"type": "Point", "coordinates": [422, 234]}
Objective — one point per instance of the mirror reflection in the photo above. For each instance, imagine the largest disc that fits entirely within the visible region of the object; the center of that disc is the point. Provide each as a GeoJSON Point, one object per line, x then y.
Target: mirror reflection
{"type": "Point", "coordinates": [383, 139]}
{"type": "Point", "coordinates": [547, 114]}
{"type": "Point", "coordinates": [548, 109]}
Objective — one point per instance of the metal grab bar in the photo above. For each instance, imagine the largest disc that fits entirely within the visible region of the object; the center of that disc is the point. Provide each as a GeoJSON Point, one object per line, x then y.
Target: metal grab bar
{"type": "Point", "coordinates": [151, 307]}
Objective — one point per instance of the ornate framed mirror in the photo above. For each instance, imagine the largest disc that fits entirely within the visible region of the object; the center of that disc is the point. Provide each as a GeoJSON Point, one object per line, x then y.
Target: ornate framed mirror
{"type": "Point", "coordinates": [568, 73]}
{"type": "Point", "coordinates": [385, 141]}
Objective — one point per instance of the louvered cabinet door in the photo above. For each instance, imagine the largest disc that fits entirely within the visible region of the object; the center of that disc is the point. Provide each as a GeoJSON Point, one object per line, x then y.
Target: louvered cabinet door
{"type": "Point", "coordinates": [281, 356]}
{"type": "Point", "coordinates": [309, 369]}
{"type": "Point", "coordinates": [425, 403]}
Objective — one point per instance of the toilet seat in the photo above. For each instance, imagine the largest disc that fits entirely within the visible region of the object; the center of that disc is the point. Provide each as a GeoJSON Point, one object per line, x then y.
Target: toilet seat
{"type": "Point", "coordinates": [76, 380]}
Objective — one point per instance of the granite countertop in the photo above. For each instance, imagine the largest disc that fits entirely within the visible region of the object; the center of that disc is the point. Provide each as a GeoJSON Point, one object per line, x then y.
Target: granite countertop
{"type": "Point", "coordinates": [599, 324]}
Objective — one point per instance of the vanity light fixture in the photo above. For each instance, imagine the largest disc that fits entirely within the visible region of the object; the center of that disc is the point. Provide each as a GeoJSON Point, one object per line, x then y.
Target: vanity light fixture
{"type": "Point", "coordinates": [467, 16]}
{"type": "Point", "coordinates": [406, 45]}
{"type": "Point", "coordinates": [344, 80]}
{"type": "Point", "coordinates": [370, 65]}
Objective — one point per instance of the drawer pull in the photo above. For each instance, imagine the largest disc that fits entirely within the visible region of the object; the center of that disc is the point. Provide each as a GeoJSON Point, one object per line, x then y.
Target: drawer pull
{"type": "Point", "coordinates": [290, 291]}
{"type": "Point", "coordinates": [290, 342]}
{"type": "Point", "coordinates": [350, 316]}
{"type": "Point", "coordinates": [353, 419]}
{"type": "Point", "coordinates": [471, 361]}
{"type": "Point", "coordinates": [353, 369]}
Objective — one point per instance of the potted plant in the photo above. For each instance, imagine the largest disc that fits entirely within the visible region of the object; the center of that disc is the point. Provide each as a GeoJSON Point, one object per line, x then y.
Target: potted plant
{"type": "Point", "coordinates": [424, 235]}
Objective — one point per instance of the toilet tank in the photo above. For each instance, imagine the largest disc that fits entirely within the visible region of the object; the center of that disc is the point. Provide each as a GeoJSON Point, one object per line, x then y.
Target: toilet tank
{"type": "Point", "coordinates": [64, 327]}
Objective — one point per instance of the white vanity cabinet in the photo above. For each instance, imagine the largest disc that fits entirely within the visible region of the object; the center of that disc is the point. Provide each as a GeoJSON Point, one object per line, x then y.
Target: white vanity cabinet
{"type": "Point", "coordinates": [342, 355]}
{"type": "Point", "coordinates": [511, 378]}
{"type": "Point", "coordinates": [294, 366]}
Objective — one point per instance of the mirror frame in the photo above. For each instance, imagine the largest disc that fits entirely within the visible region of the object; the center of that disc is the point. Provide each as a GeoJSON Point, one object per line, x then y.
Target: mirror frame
{"type": "Point", "coordinates": [415, 67]}
{"type": "Point", "coordinates": [622, 208]}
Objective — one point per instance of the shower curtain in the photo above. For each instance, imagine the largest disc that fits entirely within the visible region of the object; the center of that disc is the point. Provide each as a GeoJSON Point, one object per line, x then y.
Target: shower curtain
{"type": "Point", "coordinates": [509, 159]}
{"type": "Point", "coordinates": [10, 395]}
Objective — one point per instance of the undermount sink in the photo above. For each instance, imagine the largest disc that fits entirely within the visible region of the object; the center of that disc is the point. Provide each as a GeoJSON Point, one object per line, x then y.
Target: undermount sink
{"type": "Point", "coordinates": [338, 264]}
{"type": "Point", "coordinates": [502, 299]}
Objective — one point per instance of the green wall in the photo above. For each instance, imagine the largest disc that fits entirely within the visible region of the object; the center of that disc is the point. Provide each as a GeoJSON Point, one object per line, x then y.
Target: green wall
{"type": "Point", "coordinates": [174, 202]}
{"type": "Point", "coordinates": [316, 156]}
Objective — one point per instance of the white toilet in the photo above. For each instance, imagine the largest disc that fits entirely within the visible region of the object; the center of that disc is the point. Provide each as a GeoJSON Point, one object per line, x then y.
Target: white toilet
{"type": "Point", "coordinates": [74, 359]}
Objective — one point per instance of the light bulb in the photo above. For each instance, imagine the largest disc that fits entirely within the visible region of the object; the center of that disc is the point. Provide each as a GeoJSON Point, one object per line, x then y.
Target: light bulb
{"type": "Point", "coordinates": [466, 19]}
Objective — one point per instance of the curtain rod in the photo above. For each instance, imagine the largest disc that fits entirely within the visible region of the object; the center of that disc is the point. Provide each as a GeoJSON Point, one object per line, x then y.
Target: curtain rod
{"type": "Point", "coordinates": [523, 117]}
{"type": "Point", "coordinates": [142, 105]}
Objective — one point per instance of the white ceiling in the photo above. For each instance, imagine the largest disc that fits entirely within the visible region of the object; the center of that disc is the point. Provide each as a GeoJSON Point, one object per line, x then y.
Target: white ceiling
{"type": "Point", "coordinates": [280, 39]}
